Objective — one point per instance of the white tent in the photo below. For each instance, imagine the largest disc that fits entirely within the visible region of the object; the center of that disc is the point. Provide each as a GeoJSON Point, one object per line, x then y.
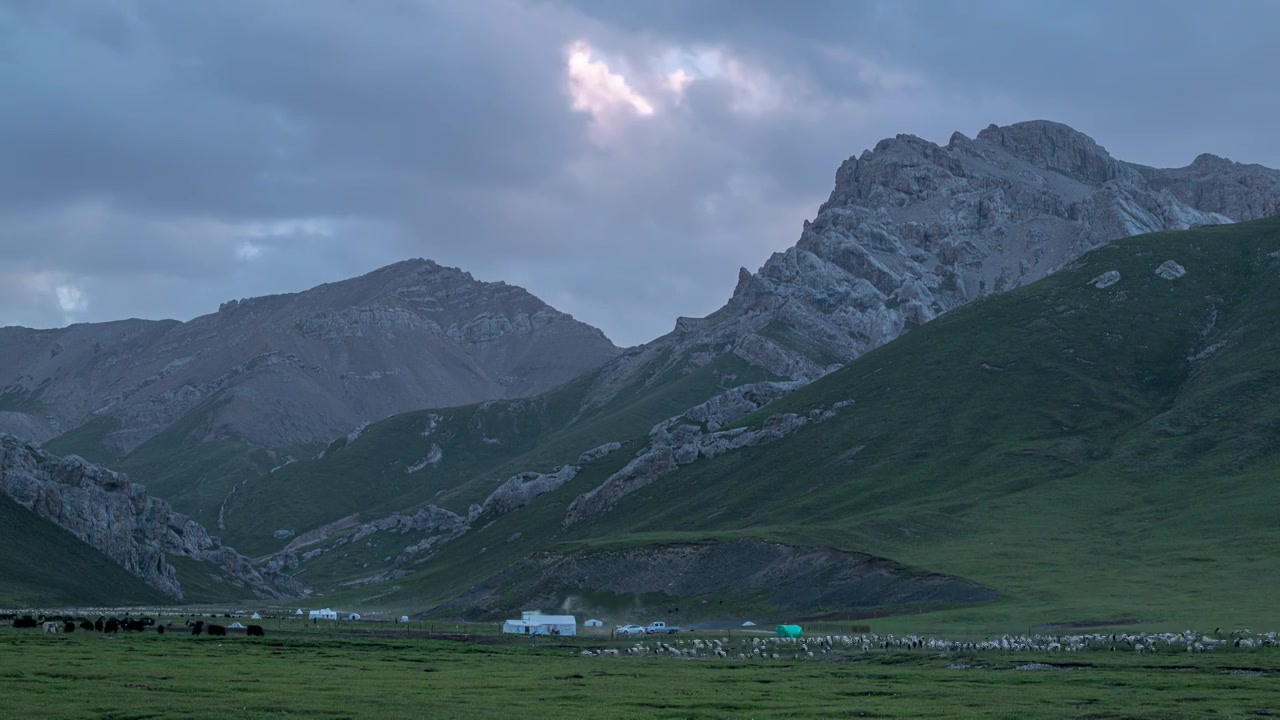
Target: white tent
{"type": "Point", "coordinates": [255, 616]}
{"type": "Point", "coordinates": [593, 623]}
{"type": "Point", "coordinates": [533, 623]}
{"type": "Point", "coordinates": [298, 611]}
{"type": "Point", "coordinates": [748, 624]}
{"type": "Point", "coordinates": [404, 618]}
{"type": "Point", "coordinates": [236, 626]}
{"type": "Point", "coordinates": [325, 614]}
{"type": "Point", "coordinates": [353, 616]}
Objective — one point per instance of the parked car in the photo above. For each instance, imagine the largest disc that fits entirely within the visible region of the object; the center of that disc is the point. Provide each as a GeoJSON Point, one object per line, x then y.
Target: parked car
{"type": "Point", "coordinates": [660, 628]}
{"type": "Point", "coordinates": [629, 630]}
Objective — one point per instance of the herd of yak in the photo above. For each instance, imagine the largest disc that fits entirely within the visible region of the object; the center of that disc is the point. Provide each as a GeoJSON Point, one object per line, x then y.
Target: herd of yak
{"type": "Point", "coordinates": [61, 623]}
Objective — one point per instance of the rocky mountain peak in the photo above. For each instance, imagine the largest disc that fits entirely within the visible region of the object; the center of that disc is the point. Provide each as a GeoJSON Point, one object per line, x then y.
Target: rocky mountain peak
{"type": "Point", "coordinates": [302, 368]}
{"type": "Point", "coordinates": [1054, 146]}
{"type": "Point", "coordinates": [912, 230]}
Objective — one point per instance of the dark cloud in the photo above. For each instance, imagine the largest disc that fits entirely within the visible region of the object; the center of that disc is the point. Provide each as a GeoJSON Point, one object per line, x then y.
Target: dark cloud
{"type": "Point", "coordinates": [160, 157]}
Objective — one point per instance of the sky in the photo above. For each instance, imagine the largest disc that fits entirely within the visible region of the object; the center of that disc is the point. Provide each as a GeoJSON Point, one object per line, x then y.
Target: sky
{"type": "Point", "coordinates": [619, 159]}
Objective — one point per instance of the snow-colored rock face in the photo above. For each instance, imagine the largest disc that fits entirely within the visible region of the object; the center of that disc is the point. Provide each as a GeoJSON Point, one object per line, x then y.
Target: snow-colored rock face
{"type": "Point", "coordinates": [136, 531]}
{"type": "Point", "coordinates": [913, 230]}
{"type": "Point", "coordinates": [1106, 279]}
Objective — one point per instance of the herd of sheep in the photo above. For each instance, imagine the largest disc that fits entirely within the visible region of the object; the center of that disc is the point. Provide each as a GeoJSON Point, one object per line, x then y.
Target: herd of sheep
{"type": "Point", "coordinates": [782, 648]}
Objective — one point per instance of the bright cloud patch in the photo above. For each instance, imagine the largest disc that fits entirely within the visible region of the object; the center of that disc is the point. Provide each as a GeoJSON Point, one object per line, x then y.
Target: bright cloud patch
{"type": "Point", "coordinates": [596, 89]}
{"type": "Point", "coordinates": [247, 251]}
{"type": "Point", "coordinates": [71, 299]}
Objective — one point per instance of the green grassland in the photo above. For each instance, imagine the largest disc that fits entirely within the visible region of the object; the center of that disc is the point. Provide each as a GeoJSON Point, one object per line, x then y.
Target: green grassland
{"type": "Point", "coordinates": [1090, 454]}
{"type": "Point", "coordinates": [85, 675]}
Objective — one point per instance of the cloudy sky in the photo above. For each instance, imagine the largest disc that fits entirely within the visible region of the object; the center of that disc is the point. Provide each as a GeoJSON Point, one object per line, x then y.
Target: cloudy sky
{"type": "Point", "coordinates": [619, 158]}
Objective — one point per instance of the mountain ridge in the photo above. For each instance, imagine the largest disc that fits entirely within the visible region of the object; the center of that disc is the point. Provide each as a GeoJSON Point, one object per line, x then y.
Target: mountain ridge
{"type": "Point", "coordinates": [408, 335]}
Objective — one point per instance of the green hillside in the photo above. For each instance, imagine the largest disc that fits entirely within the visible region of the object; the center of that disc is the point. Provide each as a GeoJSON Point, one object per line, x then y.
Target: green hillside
{"type": "Point", "coordinates": [481, 446]}
{"type": "Point", "coordinates": [44, 566]}
{"type": "Point", "coordinates": [192, 474]}
{"type": "Point", "coordinates": [1091, 454]}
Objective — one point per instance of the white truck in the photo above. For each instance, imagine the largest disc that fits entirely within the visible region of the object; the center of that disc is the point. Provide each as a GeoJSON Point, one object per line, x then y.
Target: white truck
{"type": "Point", "coordinates": [660, 628]}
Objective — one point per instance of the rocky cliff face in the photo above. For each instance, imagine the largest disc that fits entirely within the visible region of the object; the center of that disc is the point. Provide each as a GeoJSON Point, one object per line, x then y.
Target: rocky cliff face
{"type": "Point", "coordinates": [289, 370]}
{"type": "Point", "coordinates": [913, 230]}
{"type": "Point", "coordinates": [136, 531]}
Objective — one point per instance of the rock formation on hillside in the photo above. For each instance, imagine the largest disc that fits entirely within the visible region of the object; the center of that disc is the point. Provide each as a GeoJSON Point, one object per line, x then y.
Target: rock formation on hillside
{"type": "Point", "coordinates": [913, 230]}
{"type": "Point", "coordinates": [289, 370]}
{"type": "Point", "coordinates": [117, 517]}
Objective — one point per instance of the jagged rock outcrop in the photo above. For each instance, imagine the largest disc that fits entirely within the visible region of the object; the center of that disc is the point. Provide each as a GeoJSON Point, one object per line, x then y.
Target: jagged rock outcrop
{"type": "Point", "coordinates": [289, 370]}
{"type": "Point", "coordinates": [118, 518]}
{"type": "Point", "coordinates": [437, 523]}
{"type": "Point", "coordinates": [696, 435]}
{"type": "Point", "coordinates": [596, 453]}
{"type": "Point", "coordinates": [522, 489]}
{"type": "Point", "coordinates": [912, 230]}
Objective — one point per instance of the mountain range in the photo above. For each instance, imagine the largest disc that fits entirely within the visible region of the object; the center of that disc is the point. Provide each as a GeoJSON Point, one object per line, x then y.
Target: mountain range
{"type": "Point", "coordinates": [550, 459]}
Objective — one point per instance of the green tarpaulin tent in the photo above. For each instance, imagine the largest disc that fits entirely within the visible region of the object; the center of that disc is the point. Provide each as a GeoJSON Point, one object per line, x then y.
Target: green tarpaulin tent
{"type": "Point", "coordinates": [789, 631]}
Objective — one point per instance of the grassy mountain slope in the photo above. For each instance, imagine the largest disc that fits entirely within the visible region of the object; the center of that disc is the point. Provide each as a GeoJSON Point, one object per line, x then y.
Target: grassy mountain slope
{"type": "Point", "coordinates": [191, 473]}
{"type": "Point", "coordinates": [44, 566]}
{"type": "Point", "coordinates": [480, 445]}
{"type": "Point", "coordinates": [1089, 453]}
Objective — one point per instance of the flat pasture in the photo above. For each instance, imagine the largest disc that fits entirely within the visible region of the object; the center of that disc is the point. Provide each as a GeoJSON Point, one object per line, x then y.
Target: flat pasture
{"type": "Point", "coordinates": [381, 675]}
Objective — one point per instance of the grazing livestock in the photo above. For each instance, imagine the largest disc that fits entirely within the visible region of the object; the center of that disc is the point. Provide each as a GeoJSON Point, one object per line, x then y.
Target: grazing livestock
{"type": "Point", "coordinates": [160, 629]}
{"type": "Point", "coordinates": [197, 627]}
{"type": "Point", "coordinates": [86, 626]}
{"type": "Point", "coordinates": [69, 626]}
{"type": "Point", "coordinates": [217, 629]}
{"type": "Point", "coordinates": [112, 626]}
{"type": "Point", "coordinates": [134, 625]}
{"type": "Point", "coordinates": [255, 631]}
{"type": "Point", "coordinates": [26, 621]}
{"type": "Point", "coordinates": [99, 624]}
{"type": "Point", "coordinates": [52, 628]}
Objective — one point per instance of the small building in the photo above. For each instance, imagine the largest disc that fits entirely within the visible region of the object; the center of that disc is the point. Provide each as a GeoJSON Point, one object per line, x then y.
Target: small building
{"type": "Point", "coordinates": [594, 623]}
{"type": "Point", "coordinates": [535, 623]}
{"type": "Point", "coordinates": [403, 619]}
{"type": "Point", "coordinates": [353, 616]}
{"type": "Point", "coordinates": [324, 614]}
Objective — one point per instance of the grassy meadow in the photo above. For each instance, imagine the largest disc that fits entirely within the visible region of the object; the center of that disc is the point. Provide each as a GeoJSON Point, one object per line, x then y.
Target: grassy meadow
{"type": "Point", "coordinates": [329, 674]}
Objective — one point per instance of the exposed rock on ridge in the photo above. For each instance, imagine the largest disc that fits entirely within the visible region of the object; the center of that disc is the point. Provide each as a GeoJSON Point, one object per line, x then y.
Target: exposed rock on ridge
{"type": "Point", "coordinates": [136, 531]}
{"type": "Point", "coordinates": [912, 230]}
{"type": "Point", "coordinates": [682, 440]}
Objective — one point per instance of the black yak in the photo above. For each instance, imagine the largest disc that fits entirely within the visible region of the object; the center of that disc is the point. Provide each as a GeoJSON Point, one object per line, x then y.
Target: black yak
{"type": "Point", "coordinates": [216, 629]}
{"type": "Point", "coordinates": [197, 627]}
{"type": "Point", "coordinates": [70, 627]}
{"type": "Point", "coordinates": [255, 631]}
{"type": "Point", "coordinates": [86, 626]}
{"type": "Point", "coordinates": [99, 624]}
{"type": "Point", "coordinates": [26, 621]}
{"type": "Point", "coordinates": [160, 629]}
{"type": "Point", "coordinates": [112, 626]}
